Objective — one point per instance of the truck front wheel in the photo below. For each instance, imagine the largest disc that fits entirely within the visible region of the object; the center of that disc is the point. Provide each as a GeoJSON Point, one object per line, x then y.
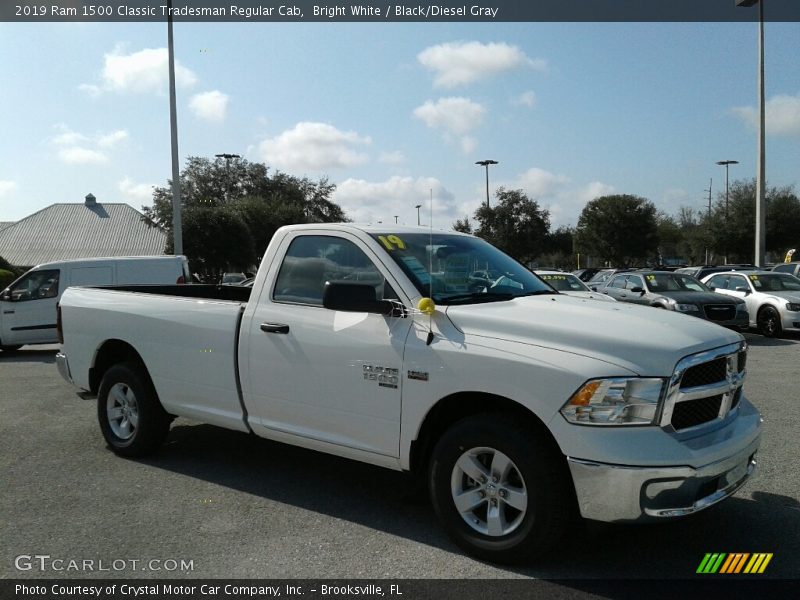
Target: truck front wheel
{"type": "Point", "coordinates": [131, 418]}
{"type": "Point", "coordinates": [502, 493]}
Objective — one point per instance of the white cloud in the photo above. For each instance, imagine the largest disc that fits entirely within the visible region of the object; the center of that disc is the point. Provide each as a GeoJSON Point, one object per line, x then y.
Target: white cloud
{"type": "Point", "coordinates": [527, 99]}
{"type": "Point", "coordinates": [6, 187]}
{"type": "Point", "coordinates": [145, 71]}
{"type": "Point", "coordinates": [782, 115]}
{"type": "Point", "coordinates": [370, 202]}
{"type": "Point", "coordinates": [139, 192]}
{"type": "Point", "coordinates": [76, 155]}
{"type": "Point", "coordinates": [314, 147]}
{"type": "Point", "coordinates": [210, 106]}
{"type": "Point", "coordinates": [461, 63]}
{"type": "Point", "coordinates": [75, 148]}
{"type": "Point", "coordinates": [455, 116]}
{"type": "Point", "coordinates": [109, 140]}
{"type": "Point", "coordinates": [594, 190]}
{"type": "Point", "coordinates": [539, 183]}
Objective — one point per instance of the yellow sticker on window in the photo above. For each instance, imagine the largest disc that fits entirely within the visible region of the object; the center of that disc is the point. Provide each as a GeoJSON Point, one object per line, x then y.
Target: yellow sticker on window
{"type": "Point", "coordinates": [392, 242]}
{"type": "Point", "coordinates": [753, 277]}
{"type": "Point", "coordinates": [651, 277]}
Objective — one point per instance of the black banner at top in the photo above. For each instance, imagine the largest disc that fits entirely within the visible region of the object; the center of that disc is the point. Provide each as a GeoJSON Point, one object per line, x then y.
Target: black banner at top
{"type": "Point", "coordinates": [397, 10]}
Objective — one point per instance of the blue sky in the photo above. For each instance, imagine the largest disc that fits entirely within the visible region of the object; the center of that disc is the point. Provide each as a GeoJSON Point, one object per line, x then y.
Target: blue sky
{"type": "Point", "coordinates": [390, 111]}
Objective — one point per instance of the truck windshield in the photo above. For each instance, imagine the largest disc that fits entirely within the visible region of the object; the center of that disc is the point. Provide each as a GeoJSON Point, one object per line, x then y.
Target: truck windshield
{"type": "Point", "coordinates": [456, 269]}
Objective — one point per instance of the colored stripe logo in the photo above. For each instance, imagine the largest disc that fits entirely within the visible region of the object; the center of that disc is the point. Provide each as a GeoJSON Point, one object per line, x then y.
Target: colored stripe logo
{"type": "Point", "coordinates": [734, 563]}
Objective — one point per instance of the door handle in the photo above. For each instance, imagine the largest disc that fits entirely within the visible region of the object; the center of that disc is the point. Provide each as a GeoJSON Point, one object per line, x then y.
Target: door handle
{"type": "Point", "coordinates": [274, 328]}
{"type": "Point", "coordinates": [8, 312]}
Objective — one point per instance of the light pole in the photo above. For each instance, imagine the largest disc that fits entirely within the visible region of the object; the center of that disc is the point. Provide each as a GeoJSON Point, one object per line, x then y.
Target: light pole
{"type": "Point", "coordinates": [727, 164]}
{"type": "Point", "coordinates": [761, 212]}
{"type": "Point", "coordinates": [177, 224]}
{"type": "Point", "coordinates": [418, 207]}
{"type": "Point", "coordinates": [486, 163]}
{"type": "Point", "coordinates": [395, 219]}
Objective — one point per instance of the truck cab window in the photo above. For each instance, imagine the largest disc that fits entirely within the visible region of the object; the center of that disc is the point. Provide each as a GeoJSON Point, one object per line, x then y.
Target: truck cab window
{"type": "Point", "coordinates": [313, 260]}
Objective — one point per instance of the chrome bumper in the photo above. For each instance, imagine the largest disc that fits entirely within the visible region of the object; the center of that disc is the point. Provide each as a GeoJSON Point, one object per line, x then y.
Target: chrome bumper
{"type": "Point", "coordinates": [63, 367]}
{"type": "Point", "coordinates": [615, 493]}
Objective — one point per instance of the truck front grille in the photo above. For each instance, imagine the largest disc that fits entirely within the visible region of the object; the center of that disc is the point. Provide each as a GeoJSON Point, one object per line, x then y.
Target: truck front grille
{"type": "Point", "coordinates": [696, 412]}
{"type": "Point", "coordinates": [705, 387]}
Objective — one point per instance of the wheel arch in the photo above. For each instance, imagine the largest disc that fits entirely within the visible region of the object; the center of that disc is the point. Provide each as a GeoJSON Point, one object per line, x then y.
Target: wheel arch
{"type": "Point", "coordinates": [108, 354]}
{"type": "Point", "coordinates": [460, 405]}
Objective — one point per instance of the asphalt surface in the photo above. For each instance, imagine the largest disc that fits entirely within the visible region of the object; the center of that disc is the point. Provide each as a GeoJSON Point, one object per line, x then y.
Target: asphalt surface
{"type": "Point", "coordinates": [241, 507]}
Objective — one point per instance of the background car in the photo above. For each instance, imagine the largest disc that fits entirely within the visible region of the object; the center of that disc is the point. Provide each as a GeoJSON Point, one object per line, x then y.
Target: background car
{"type": "Point", "coordinates": [773, 299]}
{"type": "Point", "coordinates": [569, 284]}
{"type": "Point", "coordinates": [700, 272]}
{"type": "Point", "coordinates": [585, 274]}
{"type": "Point", "coordinates": [678, 292]}
{"type": "Point", "coordinates": [792, 268]}
{"type": "Point", "coordinates": [602, 276]}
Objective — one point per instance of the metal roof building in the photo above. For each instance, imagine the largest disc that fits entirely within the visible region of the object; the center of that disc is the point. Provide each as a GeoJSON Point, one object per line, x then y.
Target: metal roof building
{"type": "Point", "coordinates": [65, 231]}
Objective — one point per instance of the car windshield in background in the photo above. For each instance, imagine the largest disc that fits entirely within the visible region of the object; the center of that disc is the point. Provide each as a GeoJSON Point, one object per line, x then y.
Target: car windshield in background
{"type": "Point", "coordinates": [456, 269]}
{"type": "Point", "coordinates": [564, 282]}
{"type": "Point", "coordinates": [671, 282]}
{"type": "Point", "coordinates": [775, 282]}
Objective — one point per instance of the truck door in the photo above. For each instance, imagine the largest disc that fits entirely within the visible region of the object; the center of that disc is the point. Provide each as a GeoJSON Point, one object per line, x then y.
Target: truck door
{"type": "Point", "coordinates": [29, 309]}
{"type": "Point", "coordinates": [330, 376]}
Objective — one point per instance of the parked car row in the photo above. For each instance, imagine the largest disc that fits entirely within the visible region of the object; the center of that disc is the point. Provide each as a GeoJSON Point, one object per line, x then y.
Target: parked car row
{"type": "Point", "coordinates": [734, 296]}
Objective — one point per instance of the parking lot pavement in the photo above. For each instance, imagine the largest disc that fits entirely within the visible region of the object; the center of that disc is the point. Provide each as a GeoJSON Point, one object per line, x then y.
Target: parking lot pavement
{"type": "Point", "coordinates": [237, 506]}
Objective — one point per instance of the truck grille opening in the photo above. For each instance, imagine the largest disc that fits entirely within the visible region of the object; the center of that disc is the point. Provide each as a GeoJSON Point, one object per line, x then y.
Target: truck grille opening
{"type": "Point", "coordinates": [705, 374]}
{"type": "Point", "coordinates": [695, 412]}
{"type": "Point", "coordinates": [736, 397]}
{"type": "Point", "coordinates": [742, 360]}
{"type": "Point", "coordinates": [720, 312]}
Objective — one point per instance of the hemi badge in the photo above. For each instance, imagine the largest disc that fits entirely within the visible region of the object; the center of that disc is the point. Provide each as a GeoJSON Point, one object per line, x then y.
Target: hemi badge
{"type": "Point", "coordinates": [418, 375]}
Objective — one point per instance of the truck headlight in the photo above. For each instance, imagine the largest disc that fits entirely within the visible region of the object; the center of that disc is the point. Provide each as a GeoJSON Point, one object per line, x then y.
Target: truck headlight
{"type": "Point", "coordinates": [793, 307]}
{"type": "Point", "coordinates": [615, 401]}
{"type": "Point", "coordinates": [686, 307]}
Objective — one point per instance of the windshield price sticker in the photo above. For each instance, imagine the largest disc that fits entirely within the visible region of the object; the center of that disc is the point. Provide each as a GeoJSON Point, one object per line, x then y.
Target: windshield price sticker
{"type": "Point", "coordinates": [651, 277]}
{"type": "Point", "coordinates": [554, 277]}
{"type": "Point", "coordinates": [392, 242]}
{"type": "Point", "coordinates": [754, 277]}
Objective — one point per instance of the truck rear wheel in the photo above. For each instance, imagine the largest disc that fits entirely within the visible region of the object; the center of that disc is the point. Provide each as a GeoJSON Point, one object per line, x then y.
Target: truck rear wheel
{"type": "Point", "coordinates": [131, 418]}
{"type": "Point", "coordinates": [501, 493]}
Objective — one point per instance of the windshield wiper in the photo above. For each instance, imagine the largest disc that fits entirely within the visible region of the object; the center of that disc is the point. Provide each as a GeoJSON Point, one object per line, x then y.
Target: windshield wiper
{"type": "Point", "coordinates": [474, 297]}
{"type": "Point", "coordinates": [537, 293]}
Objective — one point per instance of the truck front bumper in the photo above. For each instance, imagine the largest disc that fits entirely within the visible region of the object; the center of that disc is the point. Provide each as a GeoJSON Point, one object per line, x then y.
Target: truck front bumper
{"type": "Point", "coordinates": [616, 493]}
{"type": "Point", "coordinates": [63, 367]}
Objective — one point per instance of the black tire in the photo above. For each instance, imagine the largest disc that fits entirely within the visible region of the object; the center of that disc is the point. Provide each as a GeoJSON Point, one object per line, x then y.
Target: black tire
{"type": "Point", "coordinates": [769, 322]}
{"type": "Point", "coordinates": [131, 417]}
{"type": "Point", "coordinates": [10, 349]}
{"type": "Point", "coordinates": [537, 468]}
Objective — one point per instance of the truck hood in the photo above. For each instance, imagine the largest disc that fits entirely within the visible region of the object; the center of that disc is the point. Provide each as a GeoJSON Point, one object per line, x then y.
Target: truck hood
{"type": "Point", "coordinates": [645, 340]}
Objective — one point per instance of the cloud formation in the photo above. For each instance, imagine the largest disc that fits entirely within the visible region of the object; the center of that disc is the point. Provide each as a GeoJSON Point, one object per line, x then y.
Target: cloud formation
{"type": "Point", "coordinates": [527, 99]}
{"type": "Point", "coordinates": [370, 202]}
{"type": "Point", "coordinates": [210, 106]}
{"type": "Point", "coordinates": [782, 115]}
{"type": "Point", "coordinates": [461, 63]}
{"type": "Point", "coordinates": [75, 148]}
{"type": "Point", "coordinates": [6, 187]}
{"type": "Point", "coordinates": [454, 116]}
{"type": "Point", "coordinates": [312, 146]}
{"type": "Point", "coordinates": [139, 192]}
{"type": "Point", "coordinates": [142, 72]}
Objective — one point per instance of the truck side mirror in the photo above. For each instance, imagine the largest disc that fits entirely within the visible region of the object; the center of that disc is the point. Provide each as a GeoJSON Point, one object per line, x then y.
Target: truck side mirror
{"type": "Point", "coordinates": [743, 288]}
{"type": "Point", "coordinates": [637, 290]}
{"type": "Point", "coordinates": [5, 295]}
{"type": "Point", "coordinates": [354, 297]}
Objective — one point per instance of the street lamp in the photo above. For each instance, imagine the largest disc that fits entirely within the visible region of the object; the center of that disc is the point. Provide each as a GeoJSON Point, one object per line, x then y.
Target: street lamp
{"type": "Point", "coordinates": [395, 219]}
{"type": "Point", "coordinates": [727, 164]}
{"type": "Point", "coordinates": [417, 207]}
{"type": "Point", "coordinates": [486, 163]}
{"type": "Point", "coordinates": [761, 213]}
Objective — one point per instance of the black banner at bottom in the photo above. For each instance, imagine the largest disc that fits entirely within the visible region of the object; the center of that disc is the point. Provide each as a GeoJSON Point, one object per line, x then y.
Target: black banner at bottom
{"type": "Point", "coordinates": [707, 587]}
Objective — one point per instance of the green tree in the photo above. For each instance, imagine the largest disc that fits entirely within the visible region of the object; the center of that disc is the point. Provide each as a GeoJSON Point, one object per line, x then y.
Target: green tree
{"type": "Point", "coordinates": [245, 193]}
{"type": "Point", "coordinates": [620, 229]}
{"type": "Point", "coordinates": [515, 224]}
{"type": "Point", "coordinates": [217, 239]}
{"type": "Point", "coordinates": [462, 225]}
{"type": "Point", "coordinates": [732, 224]}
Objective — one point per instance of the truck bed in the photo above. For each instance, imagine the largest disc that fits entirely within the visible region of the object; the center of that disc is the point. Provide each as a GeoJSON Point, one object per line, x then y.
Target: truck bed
{"type": "Point", "coordinates": [235, 293]}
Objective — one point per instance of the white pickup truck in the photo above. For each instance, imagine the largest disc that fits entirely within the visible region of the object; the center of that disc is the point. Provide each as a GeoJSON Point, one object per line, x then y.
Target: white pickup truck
{"type": "Point", "coordinates": [433, 353]}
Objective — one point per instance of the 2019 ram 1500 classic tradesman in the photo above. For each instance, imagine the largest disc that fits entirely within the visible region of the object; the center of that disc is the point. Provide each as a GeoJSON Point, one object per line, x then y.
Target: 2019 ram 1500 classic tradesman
{"type": "Point", "coordinates": [433, 353]}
